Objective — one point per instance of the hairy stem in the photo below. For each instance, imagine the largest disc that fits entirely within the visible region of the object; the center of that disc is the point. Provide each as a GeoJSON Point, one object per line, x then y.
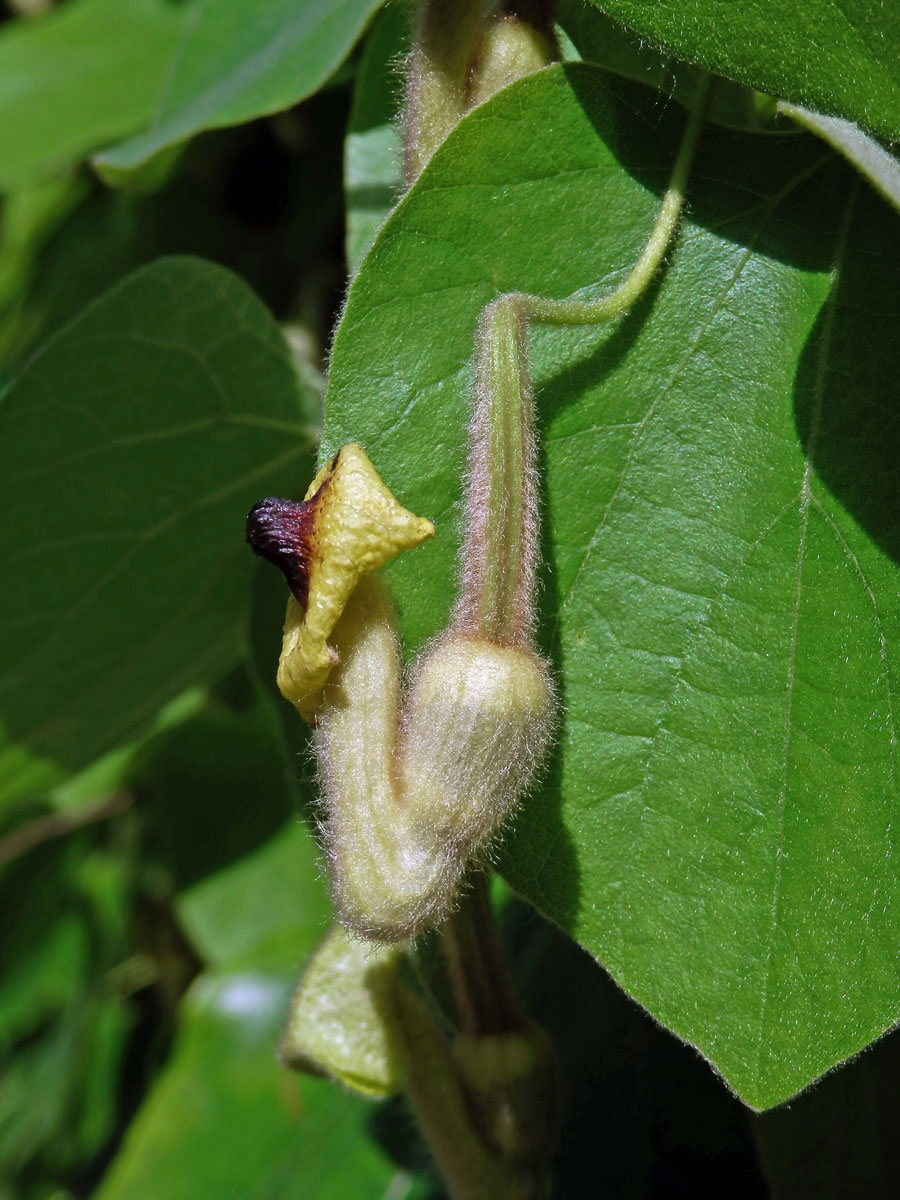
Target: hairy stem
{"type": "Point", "coordinates": [500, 550]}
{"type": "Point", "coordinates": [595, 312]}
{"type": "Point", "coordinates": [445, 36]}
{"type": "Point", "coordinates": [499, 556]}
{"type": "Point", "coordinates": [481, 985]}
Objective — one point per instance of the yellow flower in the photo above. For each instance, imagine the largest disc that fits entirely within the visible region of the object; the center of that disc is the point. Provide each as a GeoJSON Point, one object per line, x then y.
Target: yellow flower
{"type": "Point", "coordinates": [348, 525]}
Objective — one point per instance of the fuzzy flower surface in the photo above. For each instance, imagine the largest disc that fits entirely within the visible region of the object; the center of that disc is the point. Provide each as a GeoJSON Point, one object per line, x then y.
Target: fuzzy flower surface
{"type": "Point", "coordinates": [348, 525]}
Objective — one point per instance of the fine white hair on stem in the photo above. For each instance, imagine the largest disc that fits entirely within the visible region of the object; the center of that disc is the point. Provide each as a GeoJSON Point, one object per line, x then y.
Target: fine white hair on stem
{"type": "Point", "coordinates": [416, 784]}
{"type": "Point", "coordinates": [501, 525]}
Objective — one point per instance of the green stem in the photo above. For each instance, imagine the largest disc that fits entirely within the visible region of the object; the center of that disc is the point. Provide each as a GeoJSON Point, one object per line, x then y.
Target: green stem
{"type": "Point", "coordinates": [58, 824]}
{"type": "Point", "coordinates": [488, 1107]}
{"type": "Point", "coordinates": [436, 1093]}
{"type": "Point", "coordinates": [496, 597]}
{"type": "Point", "coordinates": [481, 985]}
{"type": "Point", "coordinates": [595, 312]}
{"type": "Point", "coordinates": [501, 522]}
{"type": "Point", "coordinates": [506, 1064]}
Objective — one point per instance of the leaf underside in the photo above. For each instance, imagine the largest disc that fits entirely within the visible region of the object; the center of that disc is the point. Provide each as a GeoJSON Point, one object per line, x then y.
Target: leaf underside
{"type": "Point", "coordinates": [839, 59]}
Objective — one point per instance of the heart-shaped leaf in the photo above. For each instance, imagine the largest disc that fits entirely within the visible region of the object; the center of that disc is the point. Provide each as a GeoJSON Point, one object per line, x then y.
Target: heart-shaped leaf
{"type": "Point", "coordinates": [721, 599]}
{"type": "Point", "coordinates": [131, 448]}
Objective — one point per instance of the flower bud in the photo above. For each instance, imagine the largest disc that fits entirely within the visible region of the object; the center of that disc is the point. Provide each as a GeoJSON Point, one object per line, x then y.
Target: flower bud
{"type": "Point", "coordinates": [437, 71]}
{"type": "Point", "coordinates": [405, 819]}
{"type": "Point", "coordinates": [341, 1020]}
{"type": "Point", "coordinates": [461, 55]}
{"type": "Point", "coordinates": [476, 724]}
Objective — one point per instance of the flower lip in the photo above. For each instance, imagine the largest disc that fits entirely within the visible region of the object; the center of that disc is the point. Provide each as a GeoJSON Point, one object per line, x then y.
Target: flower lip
{"type": "Point", "coordinates": [348, 524]}
{"type": "Point", "coordinates": [281, 531]}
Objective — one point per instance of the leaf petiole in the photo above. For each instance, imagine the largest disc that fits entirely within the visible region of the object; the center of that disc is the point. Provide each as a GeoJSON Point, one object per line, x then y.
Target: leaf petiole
{"type": "Point", "coordinates": [595, 312]}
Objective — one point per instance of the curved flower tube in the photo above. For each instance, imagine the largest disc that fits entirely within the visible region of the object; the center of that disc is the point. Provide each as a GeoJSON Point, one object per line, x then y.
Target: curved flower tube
{"type": "Point", "coordinates": [347, 525]}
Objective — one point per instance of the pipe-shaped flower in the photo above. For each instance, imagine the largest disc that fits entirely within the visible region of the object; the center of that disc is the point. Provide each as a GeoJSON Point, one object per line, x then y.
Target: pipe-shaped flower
{"type": "Point", "coordinates": [347, 525]}
{"type": "Point", "coordinates": [416, 783]}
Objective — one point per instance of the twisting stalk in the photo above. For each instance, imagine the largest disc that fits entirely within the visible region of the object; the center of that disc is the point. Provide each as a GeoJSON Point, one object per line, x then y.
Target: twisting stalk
{"type": "Point", "coordinates": [595, 312]}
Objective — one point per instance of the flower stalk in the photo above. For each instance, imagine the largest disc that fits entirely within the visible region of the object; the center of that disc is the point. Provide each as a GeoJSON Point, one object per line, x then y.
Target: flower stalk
{"type": "Point", "coordinates": [507, 1065]}
{"type": "Point", "coordinates": [595, 312]}
{"type": "Point", "coordinates": [499, 554]}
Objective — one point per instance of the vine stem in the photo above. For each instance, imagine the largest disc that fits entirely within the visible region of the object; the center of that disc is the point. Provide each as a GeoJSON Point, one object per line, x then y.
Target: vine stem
{"type": "Point", "coordinates": [595, 312]}
{"type": "Point", "coordinates": [482, 989]}
{"type": "Point", "coordinates": [499, 555]}
{"type": "Point", "coordinates": [489, 1120]}
{"type": "Point", "coordinates": [506, 1065]}
{"type": "Point", "coordinates": [435, 1090]}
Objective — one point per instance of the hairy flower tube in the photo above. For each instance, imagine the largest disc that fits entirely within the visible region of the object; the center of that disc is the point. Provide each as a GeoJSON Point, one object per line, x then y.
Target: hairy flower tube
{"type": "Point", "coordinates": [348, 524]}
{"type": "Point", "coordinates": [418, 779]}
{"type": "Point", "coordinates": [464, 51]}
{"type": "Point", "coordinates": [415, 784]}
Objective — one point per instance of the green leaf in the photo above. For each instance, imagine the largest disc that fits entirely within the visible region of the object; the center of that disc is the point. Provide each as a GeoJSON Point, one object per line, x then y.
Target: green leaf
{"type": "Point", "coordinates": [226, 1121]}
{"type": "Point", "coordinates": [45, 957]}
{"type": "Point", "coordinates": [603, 42]}
{"type": "Point", "coordinates": [79, 78]}
{"type": "Point", "coordinates": [82, 793]}
{"type": "Point", "coordinates": [837, 59]}
{"type": "Point", "coordinates": [27, 219]}
{"type": "Point", "coordinates": [62, 1035]}
{"type": "Point", "coordinates": [874, 163]}
{"type": "Point", "coordinates": [131, 448]}
{"type": "Point", "coordinates": [227, 202]}
{"type": "Point", "coordinates": [217, 796]}
{"type": "Point", "coordinates": [266, 909]}
{"type": "Point", "coordinates": [215, 761]}
{"type": "Point", "coordinates": [721, 592]}
{"type": "Point", "coordinates": [233, 64]}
